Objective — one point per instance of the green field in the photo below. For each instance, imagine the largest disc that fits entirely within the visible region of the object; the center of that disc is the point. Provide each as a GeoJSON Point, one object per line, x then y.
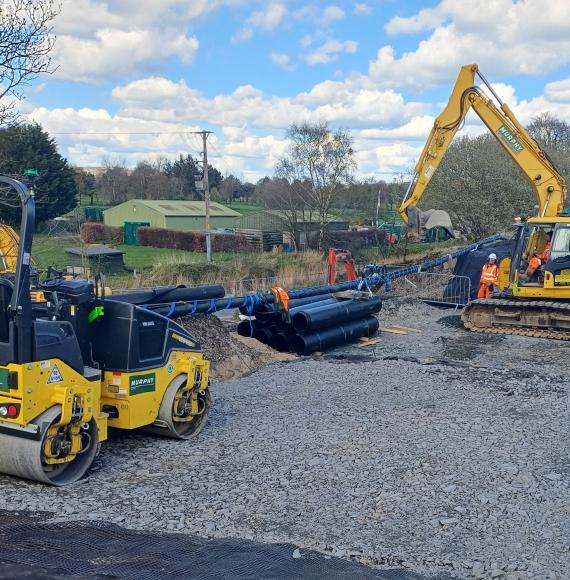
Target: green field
{"type": "Point", "coordinates": [50, 251]}
{"type": "Point", "coordinates": [245, 208]}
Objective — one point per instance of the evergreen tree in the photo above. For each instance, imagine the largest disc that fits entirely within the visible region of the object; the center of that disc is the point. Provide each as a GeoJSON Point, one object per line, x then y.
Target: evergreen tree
{"type": "Point", "coordinates": [28, 146]}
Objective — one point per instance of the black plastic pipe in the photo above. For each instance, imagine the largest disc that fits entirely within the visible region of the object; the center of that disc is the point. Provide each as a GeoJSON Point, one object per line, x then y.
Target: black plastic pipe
{"type": "Point", "coordinates": [277, 317]}
{"type": "Point", "coordinates": [311, 319]}
{"type": "Point", "coordinates": [307, 343]}
{"type": "Point", "coordinates": [313, 306]}
{"type": "Point", "coordinates": [264, 335]}
{"type": "Point", "coordinates": [246, 328]}
{"type": "Point", "coordinates": [280, 341]}
{"type": "Point", "coordinates": [266, 307]}
{"type": "Point", "coordinates": [184, 308]}
{"type": "Point", "coordinates": [171, 294]}
{"type": "Point", "coordinates": [201, 306]}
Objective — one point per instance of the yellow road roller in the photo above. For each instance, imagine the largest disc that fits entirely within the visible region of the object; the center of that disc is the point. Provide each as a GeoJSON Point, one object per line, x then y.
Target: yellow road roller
{"type": "Point", "coordinates": [79, 363]}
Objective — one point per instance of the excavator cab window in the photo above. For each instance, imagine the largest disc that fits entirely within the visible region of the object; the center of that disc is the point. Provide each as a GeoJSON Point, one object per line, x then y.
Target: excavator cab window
{"type": "Point", "coordinates": [531, 266]}
{"type": "Point", "coordinates": [559, 259]}
{"type": "Point", "coordinates": [561, 245]}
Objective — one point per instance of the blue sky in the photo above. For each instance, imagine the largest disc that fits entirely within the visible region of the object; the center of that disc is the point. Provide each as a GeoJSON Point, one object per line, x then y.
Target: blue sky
{"type": "Point", "coordinates": [246, 69]}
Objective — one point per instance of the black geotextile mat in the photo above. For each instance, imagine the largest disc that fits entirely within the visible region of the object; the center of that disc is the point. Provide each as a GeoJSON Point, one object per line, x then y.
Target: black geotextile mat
{"type": "Point", "coordinates": [35, 548]}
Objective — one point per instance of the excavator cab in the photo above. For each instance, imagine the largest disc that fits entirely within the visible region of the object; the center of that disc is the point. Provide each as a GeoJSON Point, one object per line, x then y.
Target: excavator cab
{"type": "Point", "coordinates": [549, 243]}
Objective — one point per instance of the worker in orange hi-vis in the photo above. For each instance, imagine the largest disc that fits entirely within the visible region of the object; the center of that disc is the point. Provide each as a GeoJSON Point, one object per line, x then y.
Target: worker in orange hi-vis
{"type": "Point", "coordinates": [546, 252]}
{"type": "Point", "coordinates": [489, 277]}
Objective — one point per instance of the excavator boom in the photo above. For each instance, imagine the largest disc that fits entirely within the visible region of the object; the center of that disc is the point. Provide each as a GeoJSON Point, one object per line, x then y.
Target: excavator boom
{"type": "Point", "coordinates": [549, 185]}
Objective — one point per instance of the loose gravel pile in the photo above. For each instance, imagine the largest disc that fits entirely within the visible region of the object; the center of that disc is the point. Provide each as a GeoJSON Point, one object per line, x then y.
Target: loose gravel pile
{"type": "Point", "coordinates": [440, 451]}
{"type": "Point", "coordinates": [231, 356]}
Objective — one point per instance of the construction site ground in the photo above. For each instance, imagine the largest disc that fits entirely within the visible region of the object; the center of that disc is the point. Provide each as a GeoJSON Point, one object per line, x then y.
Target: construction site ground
{"type": "Point", "coordinates": [434, 450]}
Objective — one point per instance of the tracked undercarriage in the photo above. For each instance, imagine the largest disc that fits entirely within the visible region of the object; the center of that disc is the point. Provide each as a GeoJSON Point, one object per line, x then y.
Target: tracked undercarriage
{"type": "Point", "coordinates": [539, 318]}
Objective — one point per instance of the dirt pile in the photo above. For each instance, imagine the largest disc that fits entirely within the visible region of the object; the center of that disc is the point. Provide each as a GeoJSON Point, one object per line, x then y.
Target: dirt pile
{"type": "Point", "coordinates": [231, 356]}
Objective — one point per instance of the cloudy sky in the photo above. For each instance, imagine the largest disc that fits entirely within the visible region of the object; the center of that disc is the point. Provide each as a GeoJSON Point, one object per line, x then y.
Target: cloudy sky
{"type": "Point", "coordinates": [136, 77]}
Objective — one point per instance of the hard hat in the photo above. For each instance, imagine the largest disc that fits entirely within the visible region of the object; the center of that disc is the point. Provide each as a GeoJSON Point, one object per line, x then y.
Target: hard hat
{"type": "Point", "coordinates": [492, 256]}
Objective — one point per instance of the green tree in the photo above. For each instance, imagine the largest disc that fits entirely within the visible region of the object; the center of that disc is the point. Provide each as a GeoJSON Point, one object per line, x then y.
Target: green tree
{"type": "Point", "coordinates": [482, 188]}
{"type": "Point", "coordinates": [28, 146]}
{"type": "Point", "coordinates": [186, 171]}
{"type": "Point", "coordinates": [85, 183]}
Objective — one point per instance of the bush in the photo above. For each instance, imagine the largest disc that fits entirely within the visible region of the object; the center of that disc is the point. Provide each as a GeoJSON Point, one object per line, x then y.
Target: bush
{"type": "Point", "coordinates": [189, 241]}
{"type": "Point", "coordinates": [91, 232]}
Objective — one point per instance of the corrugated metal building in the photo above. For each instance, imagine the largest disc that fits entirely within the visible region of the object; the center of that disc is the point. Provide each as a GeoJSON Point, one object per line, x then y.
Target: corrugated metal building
{"type": "Point", "coordinates": [171, 214]}
{"type": "Point", "coordinates": [271, 227]}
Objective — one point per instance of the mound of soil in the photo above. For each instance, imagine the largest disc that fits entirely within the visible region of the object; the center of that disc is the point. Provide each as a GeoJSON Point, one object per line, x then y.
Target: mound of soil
{"type": "Point", "coordinates": [231, 356]}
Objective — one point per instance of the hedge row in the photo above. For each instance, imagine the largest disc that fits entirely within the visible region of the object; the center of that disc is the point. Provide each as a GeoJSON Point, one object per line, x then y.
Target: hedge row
{"type": "Point", "coordinates": [91, 232]}
{"type": "Point", "coordinates": [189, 241]}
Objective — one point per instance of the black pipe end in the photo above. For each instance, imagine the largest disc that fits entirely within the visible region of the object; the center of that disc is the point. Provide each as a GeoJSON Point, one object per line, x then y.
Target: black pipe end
{"type": "Point", "coordinates": [280, 342]}
{"type": "Point", "coordinates": [246, 328]}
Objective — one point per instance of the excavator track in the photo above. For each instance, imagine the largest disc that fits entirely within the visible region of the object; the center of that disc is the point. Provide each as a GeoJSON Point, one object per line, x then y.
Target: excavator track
{"type": "Point", "coordinates": [536, 318]}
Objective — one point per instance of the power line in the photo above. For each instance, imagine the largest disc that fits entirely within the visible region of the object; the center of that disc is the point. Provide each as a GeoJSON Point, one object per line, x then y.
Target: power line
{"type": "Point", "coordinates": [122, 133]}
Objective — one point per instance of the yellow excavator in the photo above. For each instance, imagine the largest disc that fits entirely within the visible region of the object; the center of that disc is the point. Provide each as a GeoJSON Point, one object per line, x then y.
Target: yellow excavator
{"type": "Point", "coordinates": [531, 305]}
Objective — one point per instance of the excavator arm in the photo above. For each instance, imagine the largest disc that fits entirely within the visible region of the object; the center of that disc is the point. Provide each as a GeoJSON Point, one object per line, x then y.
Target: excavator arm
{"type": "Point", "coordinates": [549, 185]}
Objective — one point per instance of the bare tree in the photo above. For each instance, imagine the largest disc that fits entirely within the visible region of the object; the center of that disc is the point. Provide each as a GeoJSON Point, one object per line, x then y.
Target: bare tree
{"type": "Point", "coordinates": [113, 185]}
{"type": "Point", "coordinates": [319, 162]}
{"type": "Point", "coordinates": [26, 41]}
{"type": "Point", "coordinates": [550, 132]}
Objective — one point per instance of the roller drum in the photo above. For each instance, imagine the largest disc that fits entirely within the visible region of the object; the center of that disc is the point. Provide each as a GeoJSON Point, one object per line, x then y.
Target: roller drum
{"type": "Point", "coordinates": [23, 457]}
{"type": "Point", "coordinates": [166, 426]}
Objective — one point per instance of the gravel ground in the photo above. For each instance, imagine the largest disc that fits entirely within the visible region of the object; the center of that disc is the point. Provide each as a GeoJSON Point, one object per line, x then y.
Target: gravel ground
{"type": "Point", "coordinates": [437, 451]}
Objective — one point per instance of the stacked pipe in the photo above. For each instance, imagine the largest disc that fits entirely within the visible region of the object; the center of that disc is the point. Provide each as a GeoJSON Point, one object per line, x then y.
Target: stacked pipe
{"type": "Point", "coordinates": [313, 324]}
{"type": "Point", "coordinates": [269, 323]}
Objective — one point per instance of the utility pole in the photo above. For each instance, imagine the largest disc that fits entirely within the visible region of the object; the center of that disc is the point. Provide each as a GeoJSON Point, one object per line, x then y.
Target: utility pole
{"type": "Point", "coordinates": [206, 188]}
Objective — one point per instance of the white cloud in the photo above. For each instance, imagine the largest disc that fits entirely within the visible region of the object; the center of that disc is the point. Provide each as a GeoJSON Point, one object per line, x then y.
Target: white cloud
{"type": "Point", "coordinates": [243, 35]}
{"type": "Point", "coordinates": [332, 13]}
{"type": "Point", "coordinates": [115, 53]}
{"type": "Point", "coordinates": [267, 20]}
{"type": "Point", "coordinates": [249, 124]}
{"type": "Point", "coordinates": [425, 19]}
{"type": "Point", "coordinates": [329, 51]}
{"type": "Point", "coordinates": [361, 9]}
{"type": "Point", "coordinates": [558, 91]}
{"type": "Point", "coordinates": [354, 102]}
{"type": "Point", "coordinates": [505, 37]}
{"type": "Point", "coordinates": [84, 17]}
{"type": "Point", "coordinates": [100, 40]}
{"type": "Point", "coordinates": [282, 60]}
{"type": "Point", "coordinates": [416, 129]}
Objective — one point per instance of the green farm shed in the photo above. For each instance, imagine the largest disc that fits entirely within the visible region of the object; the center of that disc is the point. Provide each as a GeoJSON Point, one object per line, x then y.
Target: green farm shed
{"type": "Point", "coordinates": [171, 214]}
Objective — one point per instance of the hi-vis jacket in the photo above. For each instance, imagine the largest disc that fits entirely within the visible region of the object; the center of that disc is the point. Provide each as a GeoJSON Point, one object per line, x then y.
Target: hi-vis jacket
{"type": "Point", "coordinates": [489, 274]}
